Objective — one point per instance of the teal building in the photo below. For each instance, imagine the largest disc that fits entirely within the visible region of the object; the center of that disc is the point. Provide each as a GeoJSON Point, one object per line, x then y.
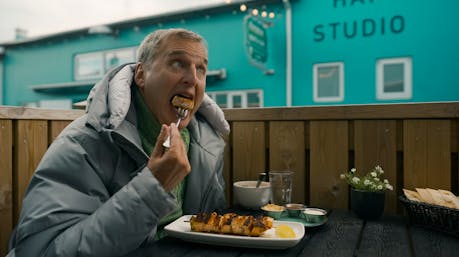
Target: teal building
{"type": "Point", "coordinates": [262, 54]}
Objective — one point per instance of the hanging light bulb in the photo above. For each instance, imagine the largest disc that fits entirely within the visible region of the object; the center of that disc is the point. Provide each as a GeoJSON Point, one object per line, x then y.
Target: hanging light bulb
{"type": "Point", "coordinates": [272, 15]}
{"type": "Point", "coordinates": [243, 7]}
{"type": "Point", "coordinates": [264, 14]}
{"type": "Point", "coordinates": [255, 12]}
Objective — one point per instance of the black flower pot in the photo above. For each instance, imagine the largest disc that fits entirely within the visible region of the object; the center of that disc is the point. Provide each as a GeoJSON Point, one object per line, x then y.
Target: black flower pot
{"type": "Point", "coordinates": [367, 205]}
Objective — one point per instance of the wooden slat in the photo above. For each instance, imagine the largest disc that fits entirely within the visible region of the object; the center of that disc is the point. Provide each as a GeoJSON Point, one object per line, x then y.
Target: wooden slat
{"type": "Point", "coordinates": [338, 237]}
{"type": "Point", "coordinates": [375, 144]}
{"type": "Point", "coordinates": [227, 167]}
{"type": "Point", "coordinates": [427, 243]}
{"type": "Point", "coordinates": [249, 150]}
{"type": "Point", "coordinates": [56, 126]}
{"type": "Point", "coordinates": [385, 237]}
{"type": "Point", "coordinates": [351, 112]}
{"type": "Point", "coordinates": [31, 144]}
{"type": "Point", "coordinates": [329, 158]}
{"type": "Point", "coordinates": [25, 113]}
{"type": "Point", "coordinates": [427, 153]}
{"type": "Point", "coordinates": [287, 151]}
{"type": "Point", "coordinates": [6, 183]}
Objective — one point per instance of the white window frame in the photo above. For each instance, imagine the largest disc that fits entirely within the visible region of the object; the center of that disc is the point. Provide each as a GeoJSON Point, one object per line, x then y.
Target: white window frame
{"type": "Point", "coordinates": [242, 93]}
{"type": "Point", "coordinates": [101, 57]}
{"type": "Point", "coordinates": [315, 78]}
{"type": "Point", "coordinates": [80, 60]}
{"type": "Point", "coordinates": [407, 80]}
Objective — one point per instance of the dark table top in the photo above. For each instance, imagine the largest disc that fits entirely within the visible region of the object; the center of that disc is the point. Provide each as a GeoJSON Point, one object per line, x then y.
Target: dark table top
{"type": "Point", "coordinates": [342, 235]}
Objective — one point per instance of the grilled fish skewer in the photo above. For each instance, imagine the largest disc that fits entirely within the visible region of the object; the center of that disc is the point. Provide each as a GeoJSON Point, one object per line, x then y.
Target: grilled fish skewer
{"type": "Point", "coordinates": [230, 223]}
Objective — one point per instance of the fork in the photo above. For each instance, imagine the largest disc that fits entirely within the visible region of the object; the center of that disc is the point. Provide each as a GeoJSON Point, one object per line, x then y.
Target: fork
{"type": "Point", "coordinates": [181, 114]}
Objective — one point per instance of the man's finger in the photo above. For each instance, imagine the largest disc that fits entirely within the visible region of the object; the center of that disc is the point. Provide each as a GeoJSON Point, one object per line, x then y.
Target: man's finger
{"type": "Point", "coordinates": [159, 149]}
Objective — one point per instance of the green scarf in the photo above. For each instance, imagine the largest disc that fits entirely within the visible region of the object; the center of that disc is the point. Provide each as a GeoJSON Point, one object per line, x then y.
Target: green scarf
{"type": "Point", "coordinates": [149, 129]}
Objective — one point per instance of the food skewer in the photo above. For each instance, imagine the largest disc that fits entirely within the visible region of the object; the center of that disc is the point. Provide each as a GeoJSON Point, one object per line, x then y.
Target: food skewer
{"type": "Point", "coordinates": [231, 223]}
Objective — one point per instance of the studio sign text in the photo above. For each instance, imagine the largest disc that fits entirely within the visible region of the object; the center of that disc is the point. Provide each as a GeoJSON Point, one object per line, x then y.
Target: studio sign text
{"type": "Point", "coordinates": [362, 28]}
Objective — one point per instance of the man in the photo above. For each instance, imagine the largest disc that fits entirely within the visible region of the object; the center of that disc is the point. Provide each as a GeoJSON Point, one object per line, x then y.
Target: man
{"type": "Point", "coordinates": [107, 185]}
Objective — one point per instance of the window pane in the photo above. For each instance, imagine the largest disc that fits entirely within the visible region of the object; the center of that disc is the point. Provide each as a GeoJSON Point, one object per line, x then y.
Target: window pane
{"type": "Point", "coordinates": [222, 101]}
{"type": "Point", "coordinates": [237, 101]}
{"type": "Point", "coordinates": [89, 66]}
{"type": "Point", "coordinates": [328, 82]}
{"type": "Point", "coordinates": [393, 77]}
{"type": "Point", "coordinates": [115, 58]}
{"type": "Point", "coordinates": [253, 99]}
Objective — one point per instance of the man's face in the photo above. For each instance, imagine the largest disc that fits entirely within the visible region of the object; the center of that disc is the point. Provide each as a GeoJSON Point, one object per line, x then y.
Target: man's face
{"type": "Point", "coordinates": [178, 69]}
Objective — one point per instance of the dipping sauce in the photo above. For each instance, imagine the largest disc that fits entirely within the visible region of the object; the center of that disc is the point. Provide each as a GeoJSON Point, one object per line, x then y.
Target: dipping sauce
{"type": "Point", "coordinates": [273, 207]}
{"type": "Point", "coordinates": [313, 212]}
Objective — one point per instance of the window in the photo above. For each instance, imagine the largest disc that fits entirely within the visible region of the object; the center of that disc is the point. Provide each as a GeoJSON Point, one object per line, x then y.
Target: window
{"type": "Point", "coordinates": [237, 99]}
{"type": "Point", "coordinates": [394, 78]}
{"type": "Point", "coordinates": [65, 104]}
{"type": "Point", "coordinates": [328, 82]}
{"type": "Point", "coordinates": [95, 65]}
{"type": "Point", "coordinates": [117, 57]}
{"type": "Point", "coordinates": [89, 66]}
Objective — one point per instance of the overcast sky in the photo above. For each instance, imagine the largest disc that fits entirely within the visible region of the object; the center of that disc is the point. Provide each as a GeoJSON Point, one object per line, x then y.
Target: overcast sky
{"type": "Point", "coordinates": [42, 17]}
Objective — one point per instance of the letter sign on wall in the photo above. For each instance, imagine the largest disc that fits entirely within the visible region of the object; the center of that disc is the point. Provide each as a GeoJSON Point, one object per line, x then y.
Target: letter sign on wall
{"type": "Point", "coordinates": [255, 40]}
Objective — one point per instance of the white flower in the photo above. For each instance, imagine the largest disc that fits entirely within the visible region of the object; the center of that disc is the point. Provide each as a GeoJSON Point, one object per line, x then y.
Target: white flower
{"type": "Point", "coordinates": [389, 187]}
{"type": "Point", "coordinates": [386, 181]}
{"type": "Point", "coordinates": [379, 169]}
{"type": "Point", "coordinates": [353, 170]}
{"type": "Point", "coordinates": [373, 174]}
{"type": "Point", "coordinates": [342, 176]}
{"type": "Point", "coordinates": [355, 180]}
{"type": "Point", "coordinates": [376, 179]}
{"type": "Point", "coordinates": [366, 182]}
{"type": "Point", "coordinates": [380, 187]}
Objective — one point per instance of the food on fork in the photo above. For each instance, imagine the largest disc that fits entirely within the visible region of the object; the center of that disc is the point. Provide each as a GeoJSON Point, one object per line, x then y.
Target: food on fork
{"type": "Point", "coordinates": [182, 102]}
{"type": "Point", "coordinates": [231, 223]}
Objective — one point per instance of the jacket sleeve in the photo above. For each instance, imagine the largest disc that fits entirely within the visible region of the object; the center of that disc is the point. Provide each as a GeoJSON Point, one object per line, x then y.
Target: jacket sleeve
{"type": "Point", "coordinates": [68, 211]}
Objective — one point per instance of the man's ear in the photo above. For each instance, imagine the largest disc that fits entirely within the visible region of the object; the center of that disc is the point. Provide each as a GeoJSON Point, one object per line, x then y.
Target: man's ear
{"type": "Point", "coordinates": [139, 76]}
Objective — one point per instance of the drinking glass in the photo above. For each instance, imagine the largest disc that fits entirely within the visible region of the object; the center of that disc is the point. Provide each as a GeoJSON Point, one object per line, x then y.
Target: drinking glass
{"type": "Point", "coordinates": [281, 187]}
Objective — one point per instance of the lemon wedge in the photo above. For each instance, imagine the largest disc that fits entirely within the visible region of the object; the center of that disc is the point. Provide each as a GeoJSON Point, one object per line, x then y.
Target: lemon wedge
{"type": "Point", "coordinates": [284, 231]}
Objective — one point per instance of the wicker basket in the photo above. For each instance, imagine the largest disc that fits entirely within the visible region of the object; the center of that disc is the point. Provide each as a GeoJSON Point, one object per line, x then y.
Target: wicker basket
{"type": "Point", "coordinates": [431, 216]}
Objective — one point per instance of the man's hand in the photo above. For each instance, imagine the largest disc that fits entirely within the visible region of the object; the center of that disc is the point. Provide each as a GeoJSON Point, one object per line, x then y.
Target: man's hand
{"type": "Point", "coordinates": [171, 166]}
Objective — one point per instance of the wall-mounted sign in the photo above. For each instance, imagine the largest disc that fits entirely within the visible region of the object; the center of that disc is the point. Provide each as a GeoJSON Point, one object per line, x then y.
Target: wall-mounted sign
{"type": "Point", "coordinates": [256, 40]}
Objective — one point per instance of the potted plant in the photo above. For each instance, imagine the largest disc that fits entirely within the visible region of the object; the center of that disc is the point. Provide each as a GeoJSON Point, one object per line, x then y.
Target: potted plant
{"type": "Point", "coordinates": [367, 192]}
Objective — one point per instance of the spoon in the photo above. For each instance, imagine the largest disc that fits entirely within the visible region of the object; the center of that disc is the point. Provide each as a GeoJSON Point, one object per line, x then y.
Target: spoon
{"type": "Point", "coordinates": [261, 177]}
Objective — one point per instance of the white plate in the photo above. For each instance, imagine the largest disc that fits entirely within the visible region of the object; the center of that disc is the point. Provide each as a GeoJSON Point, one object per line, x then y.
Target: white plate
{"type": "Point", "coordinates": [180, 228]}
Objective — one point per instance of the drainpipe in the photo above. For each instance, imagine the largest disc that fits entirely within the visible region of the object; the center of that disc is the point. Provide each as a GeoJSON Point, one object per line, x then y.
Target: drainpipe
{"type": "Point", "coordinates": [288, 43]}
{"type": "Point", "coordinates": [2, 53]}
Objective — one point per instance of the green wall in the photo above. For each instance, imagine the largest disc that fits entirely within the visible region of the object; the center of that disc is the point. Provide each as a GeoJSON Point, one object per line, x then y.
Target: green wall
{"type": "Point", "coordinates": [424, 30]}
{"type": "Point", "coordinates": [429, 36]}
{"type": "Point", "coordinates": [52, 62]}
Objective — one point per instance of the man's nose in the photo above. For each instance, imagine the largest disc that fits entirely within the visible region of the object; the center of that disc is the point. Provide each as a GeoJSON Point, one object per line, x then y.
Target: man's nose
{"type": "Point", "coordinates": [191, 77]}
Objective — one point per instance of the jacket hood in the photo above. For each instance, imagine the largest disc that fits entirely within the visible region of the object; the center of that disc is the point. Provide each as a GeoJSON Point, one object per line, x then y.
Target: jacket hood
{"type": "Point", "coordinates": [110, 99]}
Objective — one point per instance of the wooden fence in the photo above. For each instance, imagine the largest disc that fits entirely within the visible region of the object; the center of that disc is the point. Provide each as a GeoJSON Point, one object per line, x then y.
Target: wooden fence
{"type": "Point", "coordinates": [416, 144]}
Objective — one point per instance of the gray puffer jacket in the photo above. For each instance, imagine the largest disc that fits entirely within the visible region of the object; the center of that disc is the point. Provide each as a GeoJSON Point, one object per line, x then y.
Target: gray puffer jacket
{"type": "Point", "coordinates": [92, 194]}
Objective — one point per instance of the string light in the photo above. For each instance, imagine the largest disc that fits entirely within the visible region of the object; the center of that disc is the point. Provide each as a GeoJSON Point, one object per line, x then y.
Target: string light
{"type": "Point", "coordinates": [256, 12]}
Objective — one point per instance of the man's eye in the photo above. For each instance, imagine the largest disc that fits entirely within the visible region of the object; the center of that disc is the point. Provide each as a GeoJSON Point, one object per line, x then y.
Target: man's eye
{"type": "Point", "coordinates": [201, 70]}
{"type": "Point", "coordinates": [177, 64]}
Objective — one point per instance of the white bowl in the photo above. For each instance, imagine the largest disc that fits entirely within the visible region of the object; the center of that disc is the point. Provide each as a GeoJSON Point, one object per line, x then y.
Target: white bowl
{"type": "Point", "coordinates": [247, 195]}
